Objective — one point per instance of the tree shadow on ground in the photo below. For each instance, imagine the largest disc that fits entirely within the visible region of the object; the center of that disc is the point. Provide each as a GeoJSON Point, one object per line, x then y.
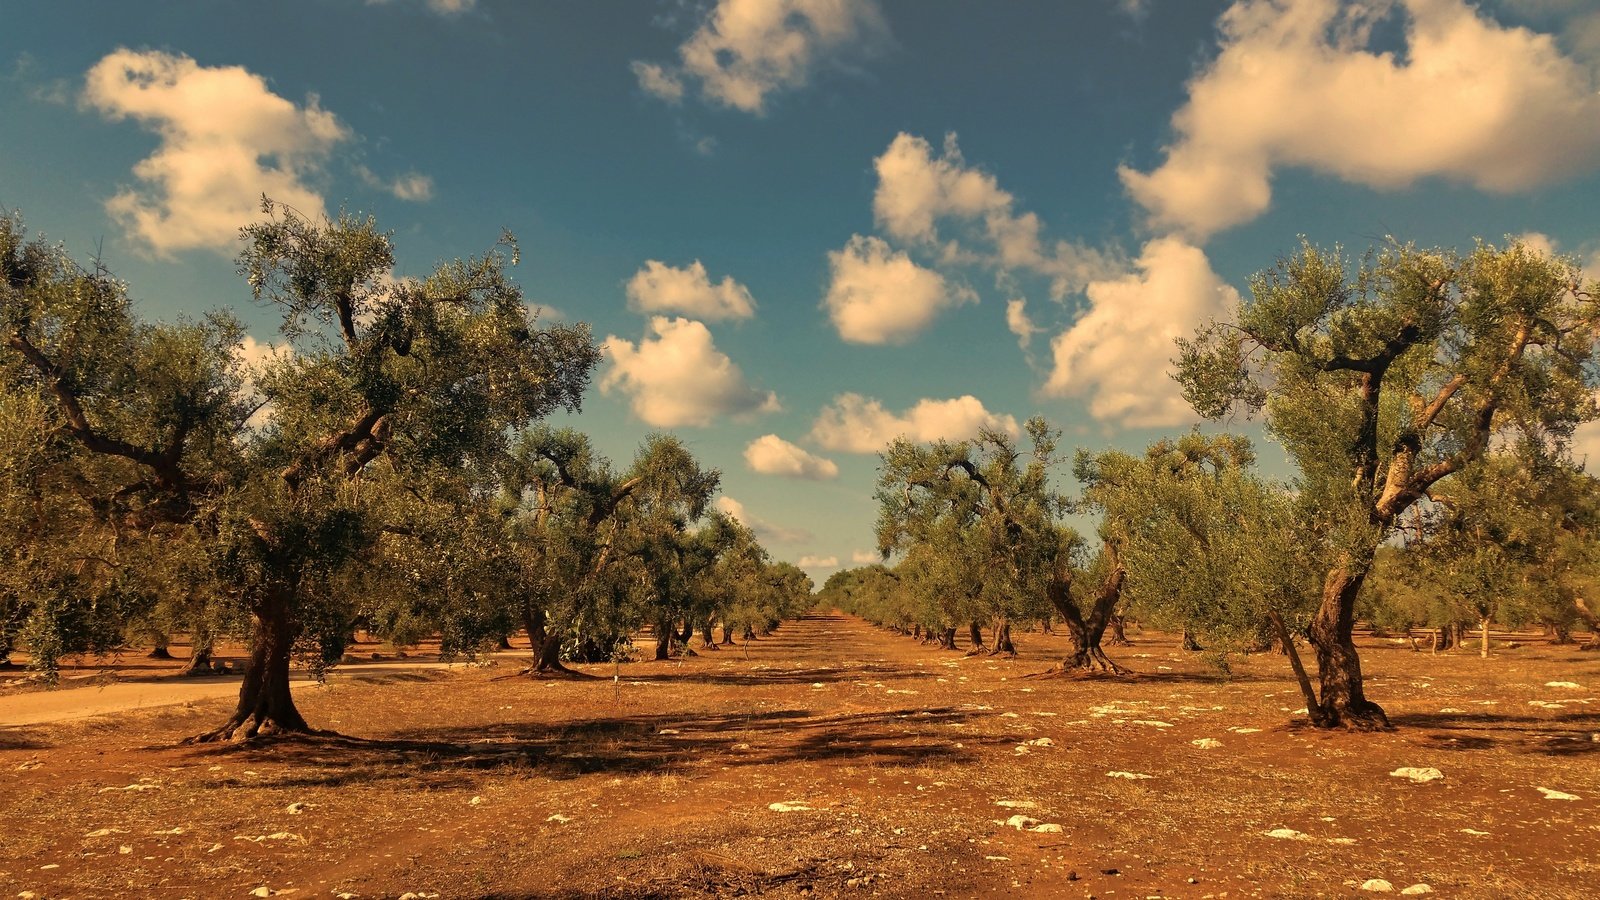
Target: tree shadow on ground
{"type": "Point", "coordinates": [623, 745]}
{"type": "Point", "coordinates": [774, 676]}
{"type": "Point", "coordinates": [1559, 735]}
{"type": "Point", "coordinates": [17, 738]}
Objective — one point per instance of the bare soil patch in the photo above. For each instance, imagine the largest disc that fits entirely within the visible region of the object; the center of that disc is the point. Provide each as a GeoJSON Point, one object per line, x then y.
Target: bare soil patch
{"type": "Point", "coordinates": [832, 759]}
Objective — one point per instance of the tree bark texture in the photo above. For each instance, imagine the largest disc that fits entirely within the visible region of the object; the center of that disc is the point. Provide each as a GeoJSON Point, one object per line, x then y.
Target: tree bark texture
{"type": "Point", "coordinates": [265, 703]}
{"type": "Point", "coordinates": [1343, 702]}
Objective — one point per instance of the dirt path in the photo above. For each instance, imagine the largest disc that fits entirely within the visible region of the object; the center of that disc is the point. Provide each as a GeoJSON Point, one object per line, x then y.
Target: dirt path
{"type": "Point", "coordinates": [833, 759]}
{"type": "Point", "coordinates": [83, 701]}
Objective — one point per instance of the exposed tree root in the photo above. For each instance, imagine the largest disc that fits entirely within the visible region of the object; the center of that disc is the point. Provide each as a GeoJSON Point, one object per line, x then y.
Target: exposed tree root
{"type": "Point", "coordinates": [240, 729]}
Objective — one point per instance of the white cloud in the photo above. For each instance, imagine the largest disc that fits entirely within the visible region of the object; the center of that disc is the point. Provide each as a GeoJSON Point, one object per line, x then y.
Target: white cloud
{"type": "Point", "coordinates": [660, 288]}
{"type": "Point", "coordinates": [1544, 243]}
{"type": "Point", "coordinates": [226, 139]}
{"type": "Point", "coordinates": [766, 532]}
{"type": "Point", "coordinates": [772, 455]}
{"type": "Point", "coordinates": [812, 561]}
{"type": "Point", "coordinates": [253, 356]}
{"type": "Point", "coordinates": [1297, 83]}
{"type": "Point", "coordinates": [1117, 353]}
{"type": "Point", "coordinates": [413, 186]}
{"type": "Point", "coordinates": [680, 377]}
{"type": "Point", "coordinates": [916, 190]}
{"type": "Point", "coordinates": [658, 82]}
{"type": "Point", "coordinates": [878, 295]}
{"type": "Point", "coordinates": [746, 50]}
{"type": "Point", "coordinates": [865, 557]}
{"type": "Point", "coordinates": [857, 424]}
{"type": "Point", "coordinates": [1018, 323]}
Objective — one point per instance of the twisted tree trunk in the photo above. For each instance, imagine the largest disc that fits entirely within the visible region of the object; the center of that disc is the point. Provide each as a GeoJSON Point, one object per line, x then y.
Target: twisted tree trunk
{"type": "Point", "coordinates": [1342, 702]}
{"type": "Point", "coordinates": [265, 703]}
{"type": "Point", "coordinates": [1087, 631]}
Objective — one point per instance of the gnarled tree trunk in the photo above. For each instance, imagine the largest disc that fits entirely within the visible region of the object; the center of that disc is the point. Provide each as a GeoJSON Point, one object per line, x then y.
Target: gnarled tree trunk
{"type": "Point", "coordinates": [1342, 701]}
{"type": "Point", "coordinates": [1119, 634]}
{"type": "Point", "coordinates": [975, 634]}
{"type": "Point", "coordinates": [664, 636]}
{"type": "Point", "coordinates": [1591, 620]}
{"type": "Point", "coordinates": [265, 704]}
{"type": "Point", "coordinates": [1002, 639]}
{"type": "Point", "coordinates": [1087, 631]}
{"type": "Point", "coordinates": [199, 657]}
{"type": "Point", "coordinates": [727, 634]}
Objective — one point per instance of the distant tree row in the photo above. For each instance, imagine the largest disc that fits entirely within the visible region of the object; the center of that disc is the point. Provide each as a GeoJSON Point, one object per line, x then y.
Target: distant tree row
{"type": "Point", "coordinates": [388, 468]}
{"type": "Point", "coordinates": [1427, 398]}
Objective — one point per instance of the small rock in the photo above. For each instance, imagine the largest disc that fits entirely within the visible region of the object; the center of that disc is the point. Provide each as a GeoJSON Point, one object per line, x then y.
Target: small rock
{"type": "Point", "coordinates": [1288, 834]}
{"type": "Point", "coordinates": [1021, 823]}
{"type": "Point", "coordinates": [559, 819]}
{"type": "Point", "coordinates": [1040, 742]}
{"type": "Point", "coordinates": [1207, 743]}
{"type": "Point", "coordinates": [1131, 776]}
{"type": "Point", "coordinates": [1557, 795]}
{"type": "Point", "coordinates": [262, 891]}
{"type": "Point", "coordinates": [1017, 804]}
{"type": "Point", "coordinates": [1420, 776]}
{"type": "Point", "coordinates": [1377, 885]}
{"type": "Point", "coordinates": [1239, 729]}
{"type": "Point", "coordinates": [1418, 888]}
{"type": "Point", "coordinates": [1570, 685]}
{"type": "Point", "coordinates": [295, 809]}
{"type": "Point", "coordinates": [1047, 828]}
{"type": "Point", "coordinates": [125, 849]}
{"type": "Point", "coordinates": [788, 807]}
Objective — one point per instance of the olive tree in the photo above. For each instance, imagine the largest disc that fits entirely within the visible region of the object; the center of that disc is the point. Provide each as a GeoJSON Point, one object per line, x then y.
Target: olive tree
{"type": "Point", "coordinates": [1386, 381]}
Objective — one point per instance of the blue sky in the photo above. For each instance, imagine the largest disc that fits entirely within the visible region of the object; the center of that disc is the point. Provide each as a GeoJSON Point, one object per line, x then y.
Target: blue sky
{"type": "Point", "coordinates": [805, 226]}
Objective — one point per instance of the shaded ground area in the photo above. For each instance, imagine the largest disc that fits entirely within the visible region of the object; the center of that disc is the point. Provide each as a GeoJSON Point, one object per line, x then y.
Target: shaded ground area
{"type": "Point", "coordinates": [832, 759]}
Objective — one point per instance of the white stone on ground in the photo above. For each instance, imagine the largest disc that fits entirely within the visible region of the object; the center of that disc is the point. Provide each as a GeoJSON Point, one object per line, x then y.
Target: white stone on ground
{"type": "Point", "coordinates": [788, 807]}
{"type": "Point", "coordinates": [1288, 834]}
{"type": "Point", "coordinates": [1418, 775]}
{"type": "Point", "coordinates": [1377, 885]}
{"type": "Point", "coordinates": [1557, 795]}
{"type": "Point", "coordinates": [1207, 743]}
{"type": "Point", "coordinates": [1418, 888]}
{"type": "Point", "coordinates": [1131, 776]}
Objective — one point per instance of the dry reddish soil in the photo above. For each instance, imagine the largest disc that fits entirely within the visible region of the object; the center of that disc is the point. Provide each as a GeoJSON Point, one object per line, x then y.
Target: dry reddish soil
{"type": "Point", "coordinates": [830, 759]}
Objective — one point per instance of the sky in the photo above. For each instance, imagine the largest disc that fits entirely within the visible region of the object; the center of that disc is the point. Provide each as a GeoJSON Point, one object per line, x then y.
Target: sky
{"type": "Point", "coordinates": [804, 227]}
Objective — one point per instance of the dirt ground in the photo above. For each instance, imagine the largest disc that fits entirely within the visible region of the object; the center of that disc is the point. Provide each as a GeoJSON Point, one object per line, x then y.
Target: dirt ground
{"type": "Point", "coordinates": [830, 759]}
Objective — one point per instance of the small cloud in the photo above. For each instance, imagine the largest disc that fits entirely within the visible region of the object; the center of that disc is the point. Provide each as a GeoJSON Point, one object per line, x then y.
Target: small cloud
{"type": "Point", "coordinates": [658, 82]}
{"type": "Point", "coordinates": [660, 288]}
{"type": "Point", "coordinates": [1118, 352]}
{"type": "Point", "coordinates": [865, 557]}
{"type": "Point", "coordinates": [878, 295]}
{"type": "Point", "coordinates": [810, 561]}
{"type": "Point", "coordinates": [413, 186]}
{"type": "Point", "coordinates": [765, 531]}
{"type": "Point", "coordinates": [743, 52]}
{"type": "Point", "coordinates": [772, 455]}
{"type": "Point", "coordinates": [676, 376]}
{"type": "Point", "coordinates": [858, 424]}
